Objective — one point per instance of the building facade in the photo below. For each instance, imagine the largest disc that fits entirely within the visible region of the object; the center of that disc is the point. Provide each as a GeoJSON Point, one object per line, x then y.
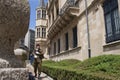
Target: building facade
{"type": "Point", "coordinates": [80, 29]}
{"type": "Point", "coordinates": [41, 26]}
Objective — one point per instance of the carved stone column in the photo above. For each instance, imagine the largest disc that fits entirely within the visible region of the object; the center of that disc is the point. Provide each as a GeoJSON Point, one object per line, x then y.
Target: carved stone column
{"type": "Point", "coordinates": [14, 21]}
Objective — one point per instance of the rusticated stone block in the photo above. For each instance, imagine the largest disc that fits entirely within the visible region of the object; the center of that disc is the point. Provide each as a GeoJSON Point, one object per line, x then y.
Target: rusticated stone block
{"type": "Point", "coordinates": [13, 74]}
{"type": "Point", "coordinates": [4, 64]}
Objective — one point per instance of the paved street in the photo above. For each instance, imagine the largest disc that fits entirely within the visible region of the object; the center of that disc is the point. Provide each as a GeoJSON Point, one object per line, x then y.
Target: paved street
{"type": "Point", "coordinates": [43, 76]}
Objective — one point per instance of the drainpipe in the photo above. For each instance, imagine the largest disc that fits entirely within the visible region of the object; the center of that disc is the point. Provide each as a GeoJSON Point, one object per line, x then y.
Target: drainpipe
{"type": "Point", "coordinates": [88, 33]}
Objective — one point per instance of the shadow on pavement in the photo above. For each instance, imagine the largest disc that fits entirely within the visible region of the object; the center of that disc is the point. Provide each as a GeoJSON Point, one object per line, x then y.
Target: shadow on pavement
{"type": "Point", "coordinates": [31, 77]}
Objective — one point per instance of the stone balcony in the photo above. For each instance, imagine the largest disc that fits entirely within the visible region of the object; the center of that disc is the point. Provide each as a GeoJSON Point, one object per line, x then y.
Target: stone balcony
{"type": "Point", "coordinates": [68, 12]}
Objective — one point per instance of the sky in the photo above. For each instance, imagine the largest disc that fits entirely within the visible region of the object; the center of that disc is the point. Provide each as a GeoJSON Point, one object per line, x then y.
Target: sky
{"type": "Point", "coordinates": [33, 5]}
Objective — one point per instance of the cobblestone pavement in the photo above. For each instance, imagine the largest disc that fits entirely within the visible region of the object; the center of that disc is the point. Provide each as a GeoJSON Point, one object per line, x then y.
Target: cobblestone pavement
{"type": "Point", "coordinates": [43, 76]}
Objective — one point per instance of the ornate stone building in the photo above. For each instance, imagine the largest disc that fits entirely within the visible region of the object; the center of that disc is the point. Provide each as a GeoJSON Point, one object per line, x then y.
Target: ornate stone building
{"type": "Point", "coordinates": [41, 26]}
{"type": "Point", "coordinates": [81, 29]}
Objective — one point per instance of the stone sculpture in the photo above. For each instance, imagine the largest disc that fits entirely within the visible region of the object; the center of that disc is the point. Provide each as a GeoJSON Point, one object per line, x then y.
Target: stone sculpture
{"type": "Point", "coordinates": [14, 21]}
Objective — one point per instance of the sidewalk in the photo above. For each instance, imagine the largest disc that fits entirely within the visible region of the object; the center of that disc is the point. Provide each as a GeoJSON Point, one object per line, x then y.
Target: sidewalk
{"type": "Point", "coordinates": [43, 76]}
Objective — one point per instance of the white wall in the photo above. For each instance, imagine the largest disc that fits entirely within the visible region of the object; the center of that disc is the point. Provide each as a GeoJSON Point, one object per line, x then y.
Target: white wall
{"type": "Point", "coordinates": [27, 36]}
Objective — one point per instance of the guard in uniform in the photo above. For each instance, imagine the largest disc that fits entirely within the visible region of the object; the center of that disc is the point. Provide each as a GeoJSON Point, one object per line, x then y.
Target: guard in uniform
{"type": "Point", "coordinates": [38, 56]}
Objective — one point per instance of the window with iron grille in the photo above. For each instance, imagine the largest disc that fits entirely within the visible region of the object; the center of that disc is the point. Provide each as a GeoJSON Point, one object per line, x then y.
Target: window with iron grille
{"type": "Point", "coordinates": [112, 20]}
{"type": "Point", "coordinates": [75, 42]}
{"type": "Point", "coordinates": [66, 42]}
{"type": "Point", "coordinates": [55, 48]}
{"type": "Point", "coordinates": [58, 45]}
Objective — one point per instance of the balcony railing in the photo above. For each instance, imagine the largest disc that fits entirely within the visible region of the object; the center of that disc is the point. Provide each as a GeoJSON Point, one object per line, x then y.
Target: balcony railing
{"type": "Point", "coordinates": [68, 3]}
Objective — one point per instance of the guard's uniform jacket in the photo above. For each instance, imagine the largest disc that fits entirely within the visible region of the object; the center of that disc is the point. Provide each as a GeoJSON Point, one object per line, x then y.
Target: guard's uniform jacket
{"type": "Point", "coordinates": [38, 61]}
{"type": "Point", "coordinates": [38, 54]}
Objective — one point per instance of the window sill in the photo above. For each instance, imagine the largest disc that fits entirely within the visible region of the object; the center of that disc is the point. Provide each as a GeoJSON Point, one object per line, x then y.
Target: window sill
{"type": "Point", "coordinates": [112, 43]}
{"type": "Point", "coordinates": [111, 46]}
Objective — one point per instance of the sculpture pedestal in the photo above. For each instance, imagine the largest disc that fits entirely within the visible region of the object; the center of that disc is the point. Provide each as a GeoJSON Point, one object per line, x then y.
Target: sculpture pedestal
{"type": "Point", "coordinates": [8, 73]}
